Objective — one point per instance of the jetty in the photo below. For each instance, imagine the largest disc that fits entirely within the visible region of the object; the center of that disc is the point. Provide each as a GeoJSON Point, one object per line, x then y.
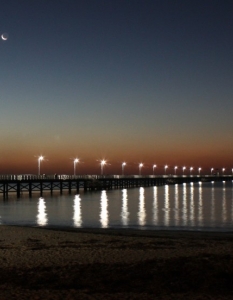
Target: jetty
{"type": "Point", "coordinates": [21, 184]}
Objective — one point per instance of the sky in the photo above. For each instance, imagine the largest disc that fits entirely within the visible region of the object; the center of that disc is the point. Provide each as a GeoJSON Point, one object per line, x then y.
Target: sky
{"type": "Point", "coordinates": [140, 81]}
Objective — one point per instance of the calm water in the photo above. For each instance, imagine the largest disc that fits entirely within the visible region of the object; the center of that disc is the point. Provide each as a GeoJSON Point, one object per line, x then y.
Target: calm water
{"type": "Point", "coordinates": [199, 206]}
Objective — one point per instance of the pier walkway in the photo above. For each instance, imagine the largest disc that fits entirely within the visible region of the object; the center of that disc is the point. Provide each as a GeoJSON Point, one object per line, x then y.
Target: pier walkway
{"type": "Point", "coordinates": [31, 183]}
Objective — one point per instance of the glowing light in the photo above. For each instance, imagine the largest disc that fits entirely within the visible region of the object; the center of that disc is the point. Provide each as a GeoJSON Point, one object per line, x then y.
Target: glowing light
{"type": "Point", "coordinates": [4, 36]}
{"type": "Point", "coordinates": [199, 170]}
{"type": "Point", "coordinates": [185, 208]}
{"type": "Point", "coordinates": [142, 210]}
{"type": "Point", "coordinates": [155, 206]}
{"type": "Point", "coordinates": [40, 158]}
{"type": "Point", "coordinates": [154, 166]}
{"type": "Point", "coordinates": [102, 164]}
{"type": "Point", "coordinates": [211, 170]}
{"type": "Point", "coordinates": [104, 210]}
{"type": "Point", "coordinates": [166, 206]}
{"type": "Point", "coordinates": [165, 168]}
{"type": "Point", "coordinates": [124, 212]}
{"type": "Point", "coordinates": [77, 217]}
{"type": "Point", "coordinates": [191, 170]}
{"type": "Point", "coordinates": [183, 169]}
{"type": "Point", "coordinates": [76, 160]}
{"type": "Point", "coordinates": [140, 168]}
{"type": "Point", "coordinates": [175, 168]}
{"type": "Point", "coordinates": [123, 166]}
{"type": "Point", "coordinates": [42, 219]}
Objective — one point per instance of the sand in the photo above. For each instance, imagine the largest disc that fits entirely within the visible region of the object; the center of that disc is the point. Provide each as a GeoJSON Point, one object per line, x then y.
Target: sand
{"type": "Point", "coordinates": [39, 263]}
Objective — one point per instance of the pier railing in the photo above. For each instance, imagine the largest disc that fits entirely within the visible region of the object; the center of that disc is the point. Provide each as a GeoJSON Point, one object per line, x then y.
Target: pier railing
{"type": "Point", "coordinates": [73, 177]}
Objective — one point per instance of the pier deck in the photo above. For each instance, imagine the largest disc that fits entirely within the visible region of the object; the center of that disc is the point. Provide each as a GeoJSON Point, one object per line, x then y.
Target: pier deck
{"type": "Point", "coordinates": [26, 183]}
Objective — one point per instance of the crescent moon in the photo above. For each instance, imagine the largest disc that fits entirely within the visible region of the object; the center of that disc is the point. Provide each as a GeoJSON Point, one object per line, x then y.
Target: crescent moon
{"type": "Point", "coordinates": [4, 38]}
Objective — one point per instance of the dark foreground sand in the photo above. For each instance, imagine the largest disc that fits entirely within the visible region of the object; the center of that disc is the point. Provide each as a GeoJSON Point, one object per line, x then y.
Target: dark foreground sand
{"type": "Point", "coordinates": [114, 264]}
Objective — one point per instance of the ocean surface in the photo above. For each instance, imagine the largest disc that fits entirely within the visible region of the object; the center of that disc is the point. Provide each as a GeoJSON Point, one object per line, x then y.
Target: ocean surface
{"type": "Point", "coordinates": [192, 206]}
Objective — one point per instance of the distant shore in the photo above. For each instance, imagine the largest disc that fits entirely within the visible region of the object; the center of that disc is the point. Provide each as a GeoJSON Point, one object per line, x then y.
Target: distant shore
{"type": "Point", "coordinates": [62, 263]}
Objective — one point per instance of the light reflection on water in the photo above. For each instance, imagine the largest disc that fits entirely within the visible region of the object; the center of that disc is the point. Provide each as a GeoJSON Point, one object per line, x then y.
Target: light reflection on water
{"type": "Point", "coordinates": [42, 219]}
{"type": "Point", "coordinates": [212, 203]}
{"type": "Point", "coordinates": [77, 211]}
{"type": "Point", "coordinates": [124, 213]}
{"type": "Point", "coordinates": [194, 206]}
{"type": "Point", "coordinates": [142, 211]}
{"type": "Point", "coordinates": [155, 206]}
{"type": "Point", "coordinates": [224, 205]}
{"type": "Point", "coordinates": [104, 210]}
{"type": "Point", "coordinates": [166, 205]}
{"type": "Point", "coordinates": [176, 209]}
{"type": "Point", "coordinates": [184, 204]}
{"type": "Point", "coordinates": [200, 206]}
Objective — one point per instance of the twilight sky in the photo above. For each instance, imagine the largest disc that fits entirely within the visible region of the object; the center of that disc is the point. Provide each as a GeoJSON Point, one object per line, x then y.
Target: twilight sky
{"type": "Point", "coordinates": [126, 80]}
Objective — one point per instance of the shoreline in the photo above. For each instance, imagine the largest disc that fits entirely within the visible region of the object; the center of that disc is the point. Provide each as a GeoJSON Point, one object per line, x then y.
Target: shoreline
{"type": "Point", "coordinates": [95, 263]}
{"type": "Point", "coordinates": [132, 231]}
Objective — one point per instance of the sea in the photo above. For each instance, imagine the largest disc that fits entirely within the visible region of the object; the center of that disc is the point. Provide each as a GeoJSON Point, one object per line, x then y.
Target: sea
{"type": "Point", "coordinates": [199, 206]}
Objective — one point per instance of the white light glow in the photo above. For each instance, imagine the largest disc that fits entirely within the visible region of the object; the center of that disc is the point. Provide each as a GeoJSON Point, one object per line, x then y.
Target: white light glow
{"type": "Point", "coordinates": [104, 210]}
{"type": "Point", "coordinates": [42, 219]}
{"type": "Point", "coordinates": [77, 218]}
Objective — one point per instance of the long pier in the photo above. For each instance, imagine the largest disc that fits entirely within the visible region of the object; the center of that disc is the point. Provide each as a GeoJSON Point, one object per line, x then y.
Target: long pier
{"type": "Point", "coordinates": [19, 184]}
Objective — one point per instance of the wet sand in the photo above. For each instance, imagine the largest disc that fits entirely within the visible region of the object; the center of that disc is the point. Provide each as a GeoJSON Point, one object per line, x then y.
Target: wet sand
{"type": "Point", "coordinates": [39, 263]}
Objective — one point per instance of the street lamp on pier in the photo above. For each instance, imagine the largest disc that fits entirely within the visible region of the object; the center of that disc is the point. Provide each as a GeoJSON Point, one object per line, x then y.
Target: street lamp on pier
{"type": "Point", "coordinates": [175, 168]}
{"type": "Point", "coordinates": [223, 170]}
{"type": "Point", "coordinates": [76, 160]}
{"type": "Point", "coordinates": [102, 164]}
{"type": "Point", "coordinates": [154, 166]}
{"type": "Point", "coordinates": [199, 170]}
{"type": "Point", "coordinates": [140, 168]}
{"type": "Point", "coordinates": [191, 170]}
{"type": "Point", "coordinates": [123, 166]}
{"type": "Point", "coordinates": [40, 158]}
{"type": "Point", "coordinates": [212, 170]}
{"type": "Point", "coordinates": [183, 169]}
{"type": "Point", "coordinates": [165, 169]}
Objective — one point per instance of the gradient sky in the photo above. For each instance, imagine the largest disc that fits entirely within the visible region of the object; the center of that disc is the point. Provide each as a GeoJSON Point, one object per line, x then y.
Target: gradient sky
{"type": "Point", "coordinates": [126, 80]}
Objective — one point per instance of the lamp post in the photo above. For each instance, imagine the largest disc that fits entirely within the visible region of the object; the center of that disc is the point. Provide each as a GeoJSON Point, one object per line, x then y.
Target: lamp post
{"type": "Point", "coordinates": [123, 166]}
{"type": "Point", "coordinates": [165, 169]}
{"type": "Point", "coordinates": [140, 168]}
{"type": "Point", "coordinates": [76, 160]}
{"type": "Point", "coordinates": [175, 168]}
{"type": "Point", "coordinates": [191, 170]}
{"type": "Point", "coordinates": [212, 170]}
{"type": "Point", "coordinates": [223, 170]}
{"type": "Point", "coordinates": [199, 170]}
{"type": "Point", "coordinates": [102, 164]}
{"type": "Point", "coordinates": [183, 169]}
{"type": "Point", "coordinates": [40, 158]}
{"type": "Point", "coordinates": [154, 166]}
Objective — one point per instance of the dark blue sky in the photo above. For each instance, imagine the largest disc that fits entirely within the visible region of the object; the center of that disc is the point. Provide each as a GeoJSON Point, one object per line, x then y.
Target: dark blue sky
{"type": "Point", "coordinates": [146, 81]}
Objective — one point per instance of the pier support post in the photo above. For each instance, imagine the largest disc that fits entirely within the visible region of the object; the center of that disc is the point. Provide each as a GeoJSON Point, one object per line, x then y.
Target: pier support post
{"type": "Point", "coordinates": [51, 188]}
{"type": "Point", "coordinates": [61, 187]}
{"type": "Point", "coordinates": [18, 189]}
{"type": "Point", "coordinates": [41, 188]}
{"type": "Point", "coordinates": [85, 186]}
{"type": "Point", "coordinates": [69, 188]}
{"type": "Point", "coordinates": [30, 189]}
{"type": "Point", "coordinates": [77, 186]}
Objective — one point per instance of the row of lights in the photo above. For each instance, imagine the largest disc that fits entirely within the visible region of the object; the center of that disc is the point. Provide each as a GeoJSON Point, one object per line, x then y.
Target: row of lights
{"type": "Point", "coordinates": [104, 162]}
{"type": "Point", "coordinates": [175, 169]}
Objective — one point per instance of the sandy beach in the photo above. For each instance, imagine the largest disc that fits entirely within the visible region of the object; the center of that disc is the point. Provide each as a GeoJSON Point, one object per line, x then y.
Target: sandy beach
{"type": "Point", "coordinates": [39, 263]}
